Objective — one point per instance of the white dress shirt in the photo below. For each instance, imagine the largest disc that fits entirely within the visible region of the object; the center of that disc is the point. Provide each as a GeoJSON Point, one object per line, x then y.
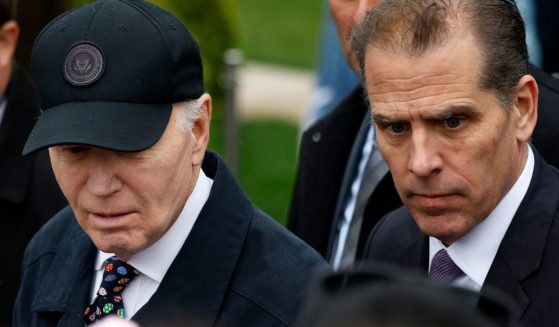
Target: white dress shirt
{"type": "Point", "coordinates": [351, 203]}
{"type": "Point", "coordinates": [474, 253]}
{"type": "Point", "coordinates": [154, 261]}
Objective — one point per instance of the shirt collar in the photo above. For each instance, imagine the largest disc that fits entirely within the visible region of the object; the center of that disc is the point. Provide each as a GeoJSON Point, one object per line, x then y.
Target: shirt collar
{"type": "Point", "coordinates": [155, 260]}
{"type": "Point", "coordinates": [474, 253]}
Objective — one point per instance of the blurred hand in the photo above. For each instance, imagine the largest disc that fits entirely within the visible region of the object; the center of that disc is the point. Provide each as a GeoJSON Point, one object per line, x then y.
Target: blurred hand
{"type": "Point", "coordinates": [114, 321]}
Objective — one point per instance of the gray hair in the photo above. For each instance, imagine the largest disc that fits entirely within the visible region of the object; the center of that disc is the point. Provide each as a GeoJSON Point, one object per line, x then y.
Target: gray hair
{"type": "Point", "coordinates": [190, 111]}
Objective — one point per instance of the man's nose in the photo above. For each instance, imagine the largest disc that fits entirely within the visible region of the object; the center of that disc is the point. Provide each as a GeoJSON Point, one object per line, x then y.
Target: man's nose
{"type": "Point", "coordinates": [102, 180]}
{"type": "Point", "coordinates": [424, 157]}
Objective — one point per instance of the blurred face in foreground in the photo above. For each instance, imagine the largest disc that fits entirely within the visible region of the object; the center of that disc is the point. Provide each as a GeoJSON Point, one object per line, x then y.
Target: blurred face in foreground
{"type": "Point", "coordinates": [346, 13]}
{"type": "Point", "coordinates": [127, 201]}
{"type": "Point", "coordinates": [453, 149]}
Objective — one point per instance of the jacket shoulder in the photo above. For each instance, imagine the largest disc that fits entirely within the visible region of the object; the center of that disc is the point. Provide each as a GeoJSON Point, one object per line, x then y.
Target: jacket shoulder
{"type": "Point", "coordinates": [48, 238]}
{"type": "Point", "coordinates": [349, 110]}
{"type": "Point", "coordinates": [394, 232]}
{"type": "Point", "coordinates": [274, 269]}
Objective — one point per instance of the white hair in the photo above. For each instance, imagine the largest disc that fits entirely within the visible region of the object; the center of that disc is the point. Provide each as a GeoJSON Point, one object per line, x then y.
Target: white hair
{"type": "Point", "coordinates": [189, 112]}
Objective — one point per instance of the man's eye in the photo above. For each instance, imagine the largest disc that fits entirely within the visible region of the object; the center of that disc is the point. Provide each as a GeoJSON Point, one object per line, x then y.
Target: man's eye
{"type": "Point", "coordinates": [397, 128]}
{"type": "Point", "coordinates": [76, 149]}
{"type": "Point", "coordinates": [453, 122]}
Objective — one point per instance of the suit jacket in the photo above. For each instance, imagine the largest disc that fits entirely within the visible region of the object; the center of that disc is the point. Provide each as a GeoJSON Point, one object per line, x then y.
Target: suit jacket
{"type": "Point", "coordinates": [526, 265]}
{"type": "Point", "coordinates": [29, 194]}
{"type": "Point", "coordinates": [237, 267]}
{"type": "Point", "coordinates": [320, 190]}
{"type": "Point", "coordinates": [546, 135]}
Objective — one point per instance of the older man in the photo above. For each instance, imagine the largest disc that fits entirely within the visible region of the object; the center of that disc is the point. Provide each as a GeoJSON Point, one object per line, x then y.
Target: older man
{"type": "Point", "coordinates": [157, 229]}
{"type": "Point", "coordinates": [455, 107]}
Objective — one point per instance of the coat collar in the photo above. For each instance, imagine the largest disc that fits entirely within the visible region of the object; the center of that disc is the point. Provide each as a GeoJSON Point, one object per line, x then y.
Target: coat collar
{"type": "Point", "coordinates": [520, 253]}
{"type": "Point", "coordinates": [195, 285]}
{"type": "Point", "coordinates": [65, 289]}
{"type": "Point", "coordinates": [522, 248]}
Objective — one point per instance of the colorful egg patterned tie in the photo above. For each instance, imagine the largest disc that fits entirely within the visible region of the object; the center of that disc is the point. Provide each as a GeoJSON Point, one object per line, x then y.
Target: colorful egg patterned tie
{"type": "Point", "coordinates": [116, 275]}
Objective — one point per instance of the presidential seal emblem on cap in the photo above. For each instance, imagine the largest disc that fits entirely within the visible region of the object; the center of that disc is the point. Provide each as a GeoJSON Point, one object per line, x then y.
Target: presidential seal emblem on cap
{"type": "Point", "coordinates": [83, 64]}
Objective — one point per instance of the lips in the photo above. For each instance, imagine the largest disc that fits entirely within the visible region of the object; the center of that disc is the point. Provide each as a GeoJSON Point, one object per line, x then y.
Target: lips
{"type": "Point", "coordinates": [433, 202]}
{"type": "Point", "coordinates": [110, 215]}
{"type": "Point", "coordinates": [112, 218]}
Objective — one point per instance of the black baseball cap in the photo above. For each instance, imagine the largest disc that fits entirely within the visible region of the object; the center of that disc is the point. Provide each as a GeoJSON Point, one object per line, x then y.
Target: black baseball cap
{"type": "Point", "coordinates": [108, 74]}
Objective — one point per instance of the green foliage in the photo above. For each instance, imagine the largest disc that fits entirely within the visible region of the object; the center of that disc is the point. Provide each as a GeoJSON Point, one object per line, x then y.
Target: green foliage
{"type": "Point", "coordinates": [267, 155]}
{"type": "Point", "coordinates": [213, 24]}
{"type": "Point", "coordinates": [267, 164]}
{"type": "Point", "coordinates": [281, 31]}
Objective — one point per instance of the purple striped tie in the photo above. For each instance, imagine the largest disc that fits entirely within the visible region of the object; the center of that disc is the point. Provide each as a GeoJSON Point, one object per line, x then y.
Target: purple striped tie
{"type": "Point", "coordinates": [443, 269]}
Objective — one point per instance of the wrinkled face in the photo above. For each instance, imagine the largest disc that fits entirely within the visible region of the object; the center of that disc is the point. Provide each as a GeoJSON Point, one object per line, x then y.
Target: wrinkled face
{"type": "Point", "coordinates": [454, 151]}
{"type": "Point", "coordinates": [346, 13]}
{"type": "Point", "coordinates": [127, 201]}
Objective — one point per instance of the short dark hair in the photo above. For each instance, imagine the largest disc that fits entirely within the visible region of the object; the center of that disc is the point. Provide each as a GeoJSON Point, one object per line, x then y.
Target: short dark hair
{"type": "Point", "coordinates": [8, 10]}
{"type": "Point", "coordinates": [381, 295]}
{"type": "Point", "coordinates": [413, 26]}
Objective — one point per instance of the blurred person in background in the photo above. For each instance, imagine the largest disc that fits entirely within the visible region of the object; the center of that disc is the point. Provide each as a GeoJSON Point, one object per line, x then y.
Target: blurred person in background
{"type": "Point", "coordinates": [29, 195]}
{"type": "Point", "coordinates": [334, 77]}
{"type": "Point", "coordinates": [341, 176]}
{"type": "Point", "coordinates": [547, 12]}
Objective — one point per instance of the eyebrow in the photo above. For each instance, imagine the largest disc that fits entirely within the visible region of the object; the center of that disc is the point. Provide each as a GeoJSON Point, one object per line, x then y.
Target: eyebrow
{"type": "Point", "coordinates": [445, 113]}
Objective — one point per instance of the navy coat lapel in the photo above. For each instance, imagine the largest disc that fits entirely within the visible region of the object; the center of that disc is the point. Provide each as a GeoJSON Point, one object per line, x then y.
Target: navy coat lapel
{"type": "Point", "coordinates": [323, 157]}
{"type": "Point", "coordinates": [349, 176]}
{"type": "Point", "coordinates": [521, 251]}
{"type": "Point", "coordinates": [195, 285]}
{"type": "Point", "coordinates": [72, 267]}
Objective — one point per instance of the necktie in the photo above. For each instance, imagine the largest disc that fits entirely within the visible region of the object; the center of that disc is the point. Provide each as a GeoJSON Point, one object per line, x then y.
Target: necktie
{"type": "Point", "coordinates": [443, 269]}
{"type": "Point", "coordinates": [116, 276]}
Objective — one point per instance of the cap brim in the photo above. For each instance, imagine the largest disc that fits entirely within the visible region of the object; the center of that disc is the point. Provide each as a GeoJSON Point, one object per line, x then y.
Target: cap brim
{"type": "Point", "coordinates": [127, 127]}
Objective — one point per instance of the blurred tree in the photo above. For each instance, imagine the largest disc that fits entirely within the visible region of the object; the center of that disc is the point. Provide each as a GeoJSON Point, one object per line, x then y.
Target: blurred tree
{"type": "Point", "coordinates": [214, 25]}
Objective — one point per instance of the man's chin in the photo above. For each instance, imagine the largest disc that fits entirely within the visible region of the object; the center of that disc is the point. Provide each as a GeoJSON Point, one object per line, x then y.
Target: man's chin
{"type": "Point", "coordinates": [110, 244]}
{"type": "Point", "coordinates": [441, 227]}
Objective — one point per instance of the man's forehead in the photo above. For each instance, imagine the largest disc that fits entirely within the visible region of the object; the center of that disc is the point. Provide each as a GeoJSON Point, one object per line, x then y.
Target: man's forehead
{"type": "Point", "coordinates": [394, 73]}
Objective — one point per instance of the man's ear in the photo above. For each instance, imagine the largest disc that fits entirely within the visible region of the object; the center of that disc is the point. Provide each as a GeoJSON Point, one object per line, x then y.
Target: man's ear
{"type": "Point", "coordinates": [9, 34]}
{"type": "Point", "coordinates": [201, 130]}
{"type": "Point", "coordinates": [526, 103]}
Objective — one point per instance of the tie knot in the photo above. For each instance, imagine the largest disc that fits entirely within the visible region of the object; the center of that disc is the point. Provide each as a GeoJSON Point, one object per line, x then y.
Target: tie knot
{"type": "Point", "coordinates": [116, 276]}
{"type": "Point", "coordinates": [443, 269]}
{"type": "Point", "coordinates": [118, 272]}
